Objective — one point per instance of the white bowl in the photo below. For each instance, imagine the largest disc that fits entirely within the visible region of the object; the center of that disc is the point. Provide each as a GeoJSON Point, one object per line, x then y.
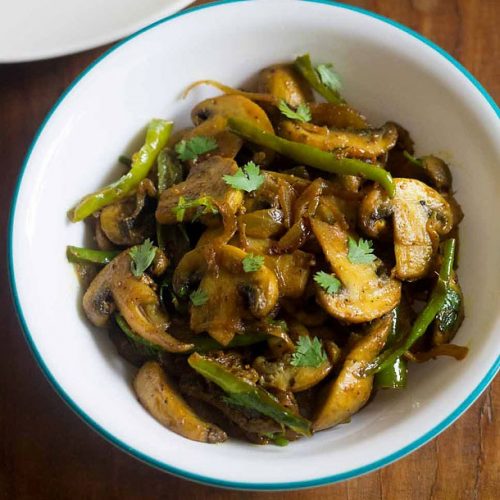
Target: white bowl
{"type": "Point", "coordinates": [389, 72]}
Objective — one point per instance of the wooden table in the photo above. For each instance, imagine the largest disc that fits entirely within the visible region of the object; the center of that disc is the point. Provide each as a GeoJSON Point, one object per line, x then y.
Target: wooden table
{"type": "Point", "coordinates": [46, 452]}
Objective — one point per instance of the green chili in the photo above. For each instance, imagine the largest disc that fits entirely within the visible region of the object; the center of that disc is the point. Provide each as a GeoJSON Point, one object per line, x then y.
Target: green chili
{"type": "Point", "coordinates": [304, 66]}
{"type": "Point", "coordinates": [311, 156]}
{"type": "Point", "coordinates": [157, 135]}
{"type": "Point", "coordinates": [248, 395]}
{"type": "Point", "coordinates": [395, 375]}
{"type": "Point", "coordinates": [170, 171]}
{"type": "Point", "coordinates": [80, 255]}
{"type": "Point", "coordinates": [426, 317]}
{"type": "Point", "coordinates": [125, 328]}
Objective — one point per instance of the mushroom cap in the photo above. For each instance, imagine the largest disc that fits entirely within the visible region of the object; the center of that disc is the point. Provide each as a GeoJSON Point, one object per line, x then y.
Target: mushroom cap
{"type": "Point", "coordinates": [366, 294]}
{"type": "Point", "coordinates": [419, 216]}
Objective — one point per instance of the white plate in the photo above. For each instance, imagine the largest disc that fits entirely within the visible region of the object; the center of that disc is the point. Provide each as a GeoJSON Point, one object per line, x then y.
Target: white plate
{"type": "Point", "coordinates": [39, 29]}
{"type": "Point", "coordinates": [388, 73]}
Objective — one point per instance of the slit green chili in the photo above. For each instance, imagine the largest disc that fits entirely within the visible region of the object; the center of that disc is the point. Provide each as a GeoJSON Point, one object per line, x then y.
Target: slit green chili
{"type": "Point", "coordinates": [304, 66]}
{"type": "Point", "coordinates": [157, 135]}
{"type": "Point", "coordinates": [311, 156]}
{"type": "Point", "coordinates": [395, 375]}
{"type": "Point", "coordinates": [248, 395]}
{"type": "Point", "coordinates": [79, 255]}
{"type": "Point", "coordinates": [426, 317]}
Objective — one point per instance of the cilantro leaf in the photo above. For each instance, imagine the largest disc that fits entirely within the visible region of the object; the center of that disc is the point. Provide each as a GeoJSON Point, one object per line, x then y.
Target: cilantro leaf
{"type": "Point", "coordinates": [301, 114]}
{"type": "Point", "coordinates": [247, 179]}
{"type": "Point", "coordinates": [198, 297]}
{"type": "Point", "coordinates": [204, 204]}
{"type": "Point", "coordinates": [360, 252]}
{"type": "Point", "coordinates": [308, 352]}
{"type": "Point", "coordinates": [328, 77]}
{"type": "Point", "coordinates": [142, 257]}
{"type": "Point", "coordinates": [194, 147]}
{"type": "Point", "coordinates": [328, 282]}
{"type": "Point", "coordinates": [252, 263]}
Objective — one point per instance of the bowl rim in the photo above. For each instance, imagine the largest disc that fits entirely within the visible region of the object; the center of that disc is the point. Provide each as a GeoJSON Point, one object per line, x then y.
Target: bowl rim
{"type": "Point", "coordinates": [289, 485]}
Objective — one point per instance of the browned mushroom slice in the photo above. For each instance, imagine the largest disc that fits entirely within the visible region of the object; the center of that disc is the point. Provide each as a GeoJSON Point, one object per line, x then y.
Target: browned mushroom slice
{"type": "Point", "coordinates": [230, 291]}
{"type": "Point", "coordinates": [419, 216]}
{"type": "Point", "coordinates": [368, 143]}
{"type": "Point", "coordinates": [283, 82]}
{"type": "Point", "coordinates": [204, 180]}
{"type": "Point", "coordinates": [327, 114]}
{"type": "Point", "coordinates": [350, 391]}
{"type": "Point", "coordinates": [228, 144]}
{"type": "Point", "coordinates": [123, 223]}
{"type": "Point", "coordinates": [116, 286]}
{"type": "Point", "coordinates": [366, 293]}
{"type": "Point", "coordinates": [292, 269]}
{"type": "Point", "coordinates": [159, 396]}
{"type": "Point", "coordinates": [231, 106]}
{"type": "Point", "coordinates": [281, 374]}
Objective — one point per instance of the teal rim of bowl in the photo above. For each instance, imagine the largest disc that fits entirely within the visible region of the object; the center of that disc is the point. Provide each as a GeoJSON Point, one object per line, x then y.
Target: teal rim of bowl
{"type": "Point", "coordinates": [162, 465]}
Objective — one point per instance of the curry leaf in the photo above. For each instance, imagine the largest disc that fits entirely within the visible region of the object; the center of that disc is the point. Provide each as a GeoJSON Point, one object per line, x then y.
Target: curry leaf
{"type": "Point", "coordinates": [252, 263]}
{"type": "Point", "coordinates": [328, 282]}
{"type": "Point", "coordinates": [192, 148]}
{"type": "Point", "coordinates": [142, 257]}
{"type": "Point", "coordinates": [308, 352]}
{"type": "Point", "coordinates": [301, 114]}
{"type": "Point", "coordinates": [360, 252]}
{"type": "Point", "coordinates": [247, 179]}
{"type": "Point", "coordinates": [198, 298]}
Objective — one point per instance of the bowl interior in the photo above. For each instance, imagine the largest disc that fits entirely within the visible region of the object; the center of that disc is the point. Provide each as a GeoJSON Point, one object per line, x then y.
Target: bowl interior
{"type": "Point", "coordinates": [388, 75]}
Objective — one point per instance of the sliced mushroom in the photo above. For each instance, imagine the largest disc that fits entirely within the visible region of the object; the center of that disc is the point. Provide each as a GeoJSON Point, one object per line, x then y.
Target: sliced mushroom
{"type": "Point", "coordinates": [419, 216]}
{"type": "Point", "coordinates": [123, 222]}
{"type": "Point", "coordinates": [116, 286]}
{"type": "Point", "coordinates": [350, 391]}
{"type": "Point", "coordinates": [231, 106]}
{"type": "Point", "coordinates": [366, 293]}
{"type": "Point", "coordinates": [327, 114]}
{"type": "Point", "coordinates": [283, 82]}
{"type": "Point", "coordinates": [284, 376]}
{"type": "Point", "coordinates": [292, 269]}
{"type": "Point", "coordinates": [159, 396]}
{"type": "Point", "coordinates": [228, 144]}
{"type": "Point", "coordinates": [228, 289]}
{"type": "Point", "coordinates": [204, 180]}
{"type": "Point", "coordinates": [367, 143]}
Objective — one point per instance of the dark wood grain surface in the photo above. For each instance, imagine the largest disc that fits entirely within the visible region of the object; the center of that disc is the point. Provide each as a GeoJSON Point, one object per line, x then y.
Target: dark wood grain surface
{"type": "Point", "coordinates": [47, 452]}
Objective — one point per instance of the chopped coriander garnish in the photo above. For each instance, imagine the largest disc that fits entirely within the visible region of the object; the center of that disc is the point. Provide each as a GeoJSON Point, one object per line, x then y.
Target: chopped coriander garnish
{"type": "Point", "coordinates": [247, 179]}
{"type": "Point", "coordinates": [328, 77]}
{"type": "Point", "coordinates": [252, 263]}
{"type": "Point", "coordinates": [204, 204]}
{"type": "Point", "coordinates": [301, 114]}
{"type": "Point", "coordinates": [194, 147]}
{"type": "Point", "coordinates": [198, 298]}
{"type": "Point", "coordinates": [328, 282]}
{"type": "Point", "coordinates": [360, 252]}
{"type": "Point", "coordinates": [142, 257]}
{"type": "Point", "coordinates": [308, 352]}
